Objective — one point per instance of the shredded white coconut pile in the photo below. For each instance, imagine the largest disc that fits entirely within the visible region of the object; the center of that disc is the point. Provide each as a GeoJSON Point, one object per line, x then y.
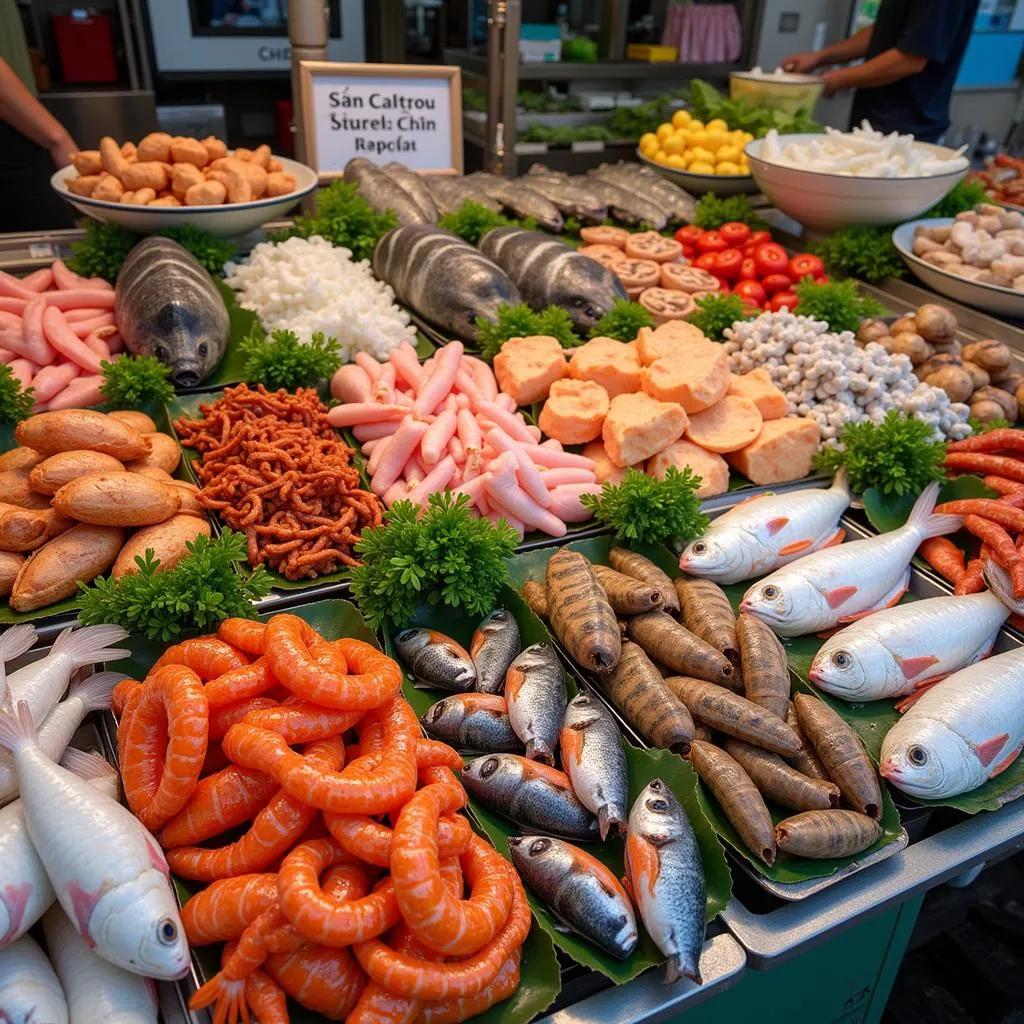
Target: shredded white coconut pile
{"type": "Point", "coordinates": [307, 285]}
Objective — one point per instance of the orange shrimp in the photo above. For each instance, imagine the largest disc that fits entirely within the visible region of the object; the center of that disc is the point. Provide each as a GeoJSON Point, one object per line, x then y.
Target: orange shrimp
{"type": "Point", "coordinates": [435, 754]}
{"type": "Point", "coordinates": [370, 840]}
{"type": "Point", "coordinates": [224, 909]}
{"type": "Point", "coordinates": [220, 802]}
{"type": "Point", "coordinates": [405, 975]}
{"type": "Point", "coordinates": [274, 830]}
{"type": "Point", "coordinates": [239, 683]}
{"type": "Point", "coordinates": [321, 978]}
{"type": "Point", "coordinates": [215, 761]}
{"type": "Point", "coordinates": [266, 998]}
{"type": "Point", "coordinates": [363, 678]}
{"type": "Point", "coordinates": [453, 1011]}
{"type": "Point", "coordinates": [302, 721]}
{"type": "Point", "coordinates": [165, 745]}
{"type": "Point", "coordinates": [245, 634]}
{"type": "Point", "coordinates": [353, 791]}
{"type": "Point", "coordinates": [225, 716]}
{"type": "Point", "coordinates": [440, 921]}
{"type": "Point", "coordinates": [126, 692]}
{"type": "Point", "coordinates": [207, 656]}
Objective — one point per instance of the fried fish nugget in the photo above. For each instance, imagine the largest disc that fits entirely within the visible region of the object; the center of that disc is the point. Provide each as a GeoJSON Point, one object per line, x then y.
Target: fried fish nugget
{"type": "Point", "coordinates": [206, 193]}
{"type": "Point", "coordinates": [184, 177]}
{"type": "Point", "coordinates": [155, 146]}
{"type": "Point", "coordinates": [84, 184]}
{"type": "Point", "coordinates": [145, 174]}
{"type": "Point", "coordinates": [109, 188]}
{"type": "Point", "coordinates": [190, 151]}
{"type": "Point", "coordinates": [261, 156]}
{"type": "Point", "coordinates": [87, 162]}
{"type": "Point", "coordinates": [215, 148]}
{"type": "Point", "coordinates": [279, 183]}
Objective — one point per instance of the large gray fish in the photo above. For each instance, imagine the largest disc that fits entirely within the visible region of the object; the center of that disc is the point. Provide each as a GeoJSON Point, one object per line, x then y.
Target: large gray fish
{"type": "Point", "coordinates": [493, 648]}
{"type": "Point", "coordinates": [473, 721]}
{"type": "Point", "coordinates": [436, 659]}
{"type": "Point", "coordinates": [593, 758]}
{"type": "Point", "coordinates": [415, 186]}
{"type": "Point", "coordinates": [383, 192]}
{"type": "Point", "coordinates": [531, 794]}
{"type": "Point", "coordinates": [166, 305]}
{"type": "Point", "coordinates": [442, 278]}
{"type": "Point", "coordinates": [535, 693]}
{"type": "Point", "coordinates": [550, 273]}
{"type": "Point", "coordinates": [571, 198]}
{"type": "Point", "coordinates": [642, 181]}
{"type": "Point", "coordinates": [519, 199]}
{"type": "Point", "coordinates": [666, 878]}
{"type": "Point", "coordinates": [580, 890]}
{"type": "Point", "coordinates": [625, 206]}
{"type": "Point", "coordinates": [450, 193]}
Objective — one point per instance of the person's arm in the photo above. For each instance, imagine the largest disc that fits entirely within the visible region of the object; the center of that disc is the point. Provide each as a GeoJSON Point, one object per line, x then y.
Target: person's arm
{"type": "Point", "coordinates": [23, 112]}
{"type": "Point", "coordinates": [888, 67]}
{"type": "Point", "coordinates": [838, 53]}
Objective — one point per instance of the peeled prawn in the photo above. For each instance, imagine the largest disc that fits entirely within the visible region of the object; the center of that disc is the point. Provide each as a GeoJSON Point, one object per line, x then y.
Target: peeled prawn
{"type": "Point", "coordinates": [302, 722]}
{"type": "Point", "coordinates": [370, 840]}
{"type": "Point", "coordinates": [207, 656]}
{"type": "Point", "coordinates": [240, 683]}
{"type": "Point", "coordinates": [225, 908]}
{"type": "Point", "coordinates": [245, 634]}
{"type": "Point", "coordinates": [225, 716]}
{"type": "Point", "coordinates": [322, 979]}
{"type": "Point", "coordinates": [452, 1011]}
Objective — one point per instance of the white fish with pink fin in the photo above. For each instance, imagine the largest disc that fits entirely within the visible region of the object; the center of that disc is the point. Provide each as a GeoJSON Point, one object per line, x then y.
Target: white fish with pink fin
{"type": "Point", "coordinates": [842, 584]}
{"type": "Point", "coordinates": [107, 871]}
{"type": "Point", "coordinates": [25, 890]}
{"type": "Point", "coordinates": [30, 992]}
{"type": "Point", "coordinates": [965, 730]}
{"type": "Point", "coordinates": [762, 534]}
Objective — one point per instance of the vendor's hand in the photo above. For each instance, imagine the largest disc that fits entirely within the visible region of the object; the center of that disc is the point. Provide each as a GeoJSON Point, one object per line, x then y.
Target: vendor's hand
{"type": "Point", "coordinates": [61, 150]}
{"type": "Point", "coordinates": [801, 63]}
{"type": "Point", "coordinates": [834, 82]}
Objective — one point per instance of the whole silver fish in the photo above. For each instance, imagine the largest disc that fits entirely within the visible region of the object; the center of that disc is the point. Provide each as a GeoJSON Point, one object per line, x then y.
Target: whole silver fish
{"type": "Point", "coordinates": [519, 199]}
{"type": "Point", "coordinates": [535, 692]}
{"type": "Point", "coordinates": [450, 193]}
{"type": "Point", "coordinates": [550, 273]}
{"type": "Point", "coordinates": [593, 758]}
{"type": "Point", "coordinates": [493, 648]}
{"type": "Point", "coordinates": [678, 204]}
{"type": "Point", "coordinates": [666, 878]}
{"type": "Point", "coordinates": [166, 305]}
{"type": "Point", "coordinates": [442, 278]}
{"type": "Point", "coordinates": [415, 186]}
{"type": "Point", "coordinates": [572, 199]}
{"type": "Point", "coordinates": [531, 794]}
{"type": "Point", "coordinates": [581, 891]}
{"type": "Point", "coordinates": [435, 659]}
{"type": "Point", "coordinates": [473, 721]}
{"type": "Point", "coordinates": [382, 192]}
{"type": "Point", "coordinates": [627, 207]}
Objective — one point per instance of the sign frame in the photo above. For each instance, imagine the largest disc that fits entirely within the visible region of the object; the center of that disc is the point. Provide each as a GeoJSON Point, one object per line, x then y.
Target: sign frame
{"type": "Point", "coordinates": [310, 70]}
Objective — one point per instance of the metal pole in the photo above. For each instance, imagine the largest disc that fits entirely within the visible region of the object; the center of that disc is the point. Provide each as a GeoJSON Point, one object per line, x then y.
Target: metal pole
{"type": "Point", "coordinates": [510, 84]}
{"type": "Point", "coordinates": [307, 32]}
{"type": "Point", "coordinates": [494, 147]}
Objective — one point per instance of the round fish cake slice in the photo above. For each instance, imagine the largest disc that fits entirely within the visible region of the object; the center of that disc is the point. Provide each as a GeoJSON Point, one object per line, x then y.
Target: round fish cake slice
{"type": "Point", "coordinates": [682, 278]}
{"type": "Point", "coordinates": [650, 245]}
{"type": "Point", "coordinates": [635, 273]}
{"type": "Point", "coordinates": [665, 304]}
{"type": "Point", "coordinates": [607, 255]}
{"type": "Point", "coordinates": [605, 234]}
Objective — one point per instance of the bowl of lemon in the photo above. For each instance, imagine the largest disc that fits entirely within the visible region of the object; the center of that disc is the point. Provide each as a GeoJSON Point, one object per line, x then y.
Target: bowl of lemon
{"type": "Point", "coordinates": [699, 157]}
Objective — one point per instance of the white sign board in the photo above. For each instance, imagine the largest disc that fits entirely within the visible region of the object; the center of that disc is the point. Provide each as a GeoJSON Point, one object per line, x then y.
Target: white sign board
{"type": "Point", "coordinates": [411, 114]}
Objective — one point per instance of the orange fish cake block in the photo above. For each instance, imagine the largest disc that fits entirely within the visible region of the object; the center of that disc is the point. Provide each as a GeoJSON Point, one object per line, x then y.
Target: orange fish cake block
{"type": "Point", "coordinates": [527, 367]}
{"type": "Point", "coordinates": [712, 469]}
{"type": "Point", "coordinates": [574, 411]}
{"type": "Point", "coordinates": [670, 337]}
{"type": "Point", "coordinates": [781, 452]}
{"type": "Point", "coordinates": [610, 363]}
{"type": "Point", "coordinates": [638, 426]}
{"type": "Point", "coordinates": [696, 376]}
{"type": "Point", "coordinates": [757, 386]}
{"type": "Point", "coordinates": [727, 426]}
{"type": "Point", "coordinates": [604, 469]}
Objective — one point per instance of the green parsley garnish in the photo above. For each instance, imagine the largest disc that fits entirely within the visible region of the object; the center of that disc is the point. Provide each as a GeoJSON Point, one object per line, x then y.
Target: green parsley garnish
{"type": "Point", "coordinates": [134, 382]}
{"type": "Point", "coordinates": [282, 361]}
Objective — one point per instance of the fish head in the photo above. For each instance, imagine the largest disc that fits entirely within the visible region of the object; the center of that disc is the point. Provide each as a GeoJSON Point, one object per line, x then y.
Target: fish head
{"type": "Point", "coordinates": [929, 760]}
{"type": "Point", "coordinates": [655, 814]}
{"type": "Point", "coordinates": [444, 716]}
{"type": "Point", "coordinates": [541, 860]}
{"type": "Point", "coordinates": [181, 340]}
{"type": "Point", "coordinates": [408, 642]}
{"type": "Point", "coordinates": [726, 558]}
{"type": "Point", "coordinates": [785, 601]}
{"type": "Point", "coordinates": [143, 932]}
{"type": "Point", "coordinates": [855, 667]}
{"type": "Point", "coordinates": [582, 711]}
{"type": "Point", "coordinates": [493, 777]}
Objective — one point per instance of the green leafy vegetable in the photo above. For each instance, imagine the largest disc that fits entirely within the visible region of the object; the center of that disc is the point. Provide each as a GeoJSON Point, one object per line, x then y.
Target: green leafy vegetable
{"type": "Point", "coordinates": [133, 382]}
{"type": "Point", "coordinates": [707, 103]}
{"type": "Point", "coordinates": [579, 49]}
{"type": "Point", "coordinates": [544, 102]}
{"type": "Point", "coordinates": [564, 134]}
{"type": "Point", "coordinates": [712, 212]}
{"type": "Point", "coordinates": [282, 361]}
{"type": "Point", "coordinates": [15, 401]}
{"type": "Point", "coordinates": [520, 321]}
{"type": "Point", "coordinates": [344, 218]}
{"type": "Point", "coordinates": [897, 456]}
{"type": "Point", "coordinates": [867, 253]}
{"type": "Point", "coordinates": [555, 322]}
{"type": "Point", "coordinates": [977, 427]}
{"type": "Point", "coordinates": [474, 99]}
{"type": "Point", "coordinates": [651, 511]}
{"type": "Point", "coordinates": [717, 312]}
{"type": "Point", "coordinates": [632, 122]}
{"type": "Point", "coordinates": [623, 321]}
{"type": "Point", "coordinates": [445, 555]}
{"type": "Point", "coordinates": [963, 196]}
{"type": "Point", "coordinates": [210, 584]}
{"type": "Point", "coordinates": [838, 303]}
{"type": "Point", "coordinates": [211, 251]}
{"type": "Point", "coordinates": [471, 221]}
{"type": "Point", "coordinates": [102, 251]}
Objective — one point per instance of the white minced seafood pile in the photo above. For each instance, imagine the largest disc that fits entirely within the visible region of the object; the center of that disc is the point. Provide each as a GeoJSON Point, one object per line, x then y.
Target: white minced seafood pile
{"type": "Point", "coordinates": [831, 379]}
{"type": "Point", "coordinates": [307, 285]}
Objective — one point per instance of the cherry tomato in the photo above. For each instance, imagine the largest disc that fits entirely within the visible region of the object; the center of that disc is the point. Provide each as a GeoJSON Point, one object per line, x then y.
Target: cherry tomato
{"type": "Point", "coordinates": [748, 269]}
{"type": "Point", "coordinates": [771, 258]}
{"type": "Point", "coordinates": [805, 265]}
{"type": "Point", "coordinates": [689, 252]}
{"type": "Point", "coordinates": [730, 262]}
{"type": "Point", "coordinates": [823, 279]}
{"type": "Point", "coordinates": [780, 299]}
{"type": "Point", "coordinates": [712, 241]}
{"type": "Point", "coordinates": [707, 261]}
{"type": "Point", "coordinates": [759, 237]}
{"type": "Point", "coordinates": [752, 292]}
{"type": "Point", "coordinates": [749, 249]}
{"type": "Point", "coordinates": [689, 234]}
{"type": "Point", "coordinates": [735, 232]}
{"type": "Point", "coordinates": [773, 283]}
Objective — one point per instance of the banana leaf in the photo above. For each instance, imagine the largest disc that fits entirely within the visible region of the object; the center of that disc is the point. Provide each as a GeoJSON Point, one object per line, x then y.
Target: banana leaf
{"type": "Point", "coordinates": [787, 868]}
{"type": "Point", "coordinates": [886, 512]}
{"type": "Point", "coordinates": [642, 766]}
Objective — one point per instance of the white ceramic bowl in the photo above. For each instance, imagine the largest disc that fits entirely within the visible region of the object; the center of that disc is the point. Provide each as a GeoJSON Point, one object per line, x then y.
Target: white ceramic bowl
{"type": "Point", "coordinates": [788, 92]}
{"type": "Point", "coordinates": [228, 220]}
{"type": "Point", "coordinates": [832, 201]}
{"type": "Point", "coordinates": [990, 297]}
{"type": "Point", "coordinates": [698, 184]}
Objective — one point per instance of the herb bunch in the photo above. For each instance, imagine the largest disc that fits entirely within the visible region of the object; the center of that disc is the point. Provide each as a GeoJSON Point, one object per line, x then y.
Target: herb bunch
{"type": "Point", "coordinates": [867, 253]}
{"type": "Point", "coordinates": [838, 303]}
{"type": "Point", "coordinates": [897, 456]}
{"type": "Point", "coordinates": [519, 321]}
{"type": "Point", "coordinates": [651, 511]}
{"type": "Point", "coordinates": [444, 555]}
{"type": "Point", "coordinates": [282, 361]}
{"type": "Point", "coordinates": [15, 401]}
{"type": "Point", "coordinates": [717, 312]}
{"type": "Point", "coordinates": [134, 382]}
{"type": "Point", "coordinates": [471, 221]}
{"type": "Point", "coordinates": [102, 251]}
{"type": "Point", "coordinates": [623, 321]}
{"type": "Point", "coordinates": [210, 584]}
{"type": "Point", "coordinates": [212, 252]}
{"type": "Point", "coordinates": [711, 212]}
{"type": "Point", "coordinates": [707, 103]}
{"type": "Point", "coordinates": [963, 196]}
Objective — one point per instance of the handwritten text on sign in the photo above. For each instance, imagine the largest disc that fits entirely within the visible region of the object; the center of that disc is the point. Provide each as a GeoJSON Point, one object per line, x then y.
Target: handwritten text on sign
{"type": "Point", "coordinates": [382, 119]}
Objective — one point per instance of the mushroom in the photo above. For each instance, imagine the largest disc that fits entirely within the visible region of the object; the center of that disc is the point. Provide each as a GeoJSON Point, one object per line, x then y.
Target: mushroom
{"type": "Point", "coordinates": [954, 380]}
{"type": "Point", "coordinates": [913, 345]}
{"type": "Point", "coordinates": [903, 324]}
{"type": "Point", "coordinates": [978, 375]}
{"type": "Point", "coordinates": [935, 321]}
{"type": "Point", "coordinates": [871, 330]}
{"type": "Point", "coordinates": [989, 354]}
{"type": "Point", "coordinates": [1007, 402]}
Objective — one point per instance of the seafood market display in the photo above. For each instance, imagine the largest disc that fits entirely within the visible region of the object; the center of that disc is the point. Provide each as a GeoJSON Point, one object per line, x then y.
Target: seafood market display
{"type": "Point", "coordinates": [444, 424]}
{"type": "Point", "coordinates": [1002, 179]}
{"type": "Point", "coordinates": [56, 328]}
{"type": "Point", "coordinates": [84, 493]}
{"type": "Point", "coordinates": [165, 170]}
{"type": "Point", "coordinates": [273, 468]}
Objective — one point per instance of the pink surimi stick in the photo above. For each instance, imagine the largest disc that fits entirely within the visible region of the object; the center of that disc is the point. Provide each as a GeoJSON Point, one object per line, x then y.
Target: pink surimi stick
{"type": "Point", "coordinates": [435, 388]}
{"type": "Point", "coordinates": [9, 305]}
{"type": "Point", "coordinates": [567, 475]}
{"type": "Point", "coordinates": [97, 341]}
{"type": "Point", "coordinates": [78, 297]}
{"type": "Point", "coordinates": [556, 459]}
{"type": "Point", "coordinates": [66, 279]}
{"type": "Point", "coordinates": [384, 385]}
{"type": "Point", "coordinates": [435, 440]}
{"type": "Point", "coordinates": [530, 478]}
{"type": "Point", "coordinates": [483, 375]}
{"type": "Point", "coordinates": [403, 398]}
{"type": "Point", "coordinates": [86, 327]}
{"type": "Point", "coordinates": [370, 365]}
{"type": "Point", "coordinates": [503, 487]}
{"type": "Point", "coordinates": [435, 481]}
{"type": "Point", "coordinates": [24, 370]}
{"type": "Point", "coordinates": [407, 364]}
{"type": "Point", "coordinates": [52, 379]}
{"type": "Point", "coordinates": [396, 492]}
{"type": "Point", "coordinates": [513, 425]}
{"type": "Point", "coordinates": [372, 431]}
{"type": "Point", "coordinates": [467, 387]}
{"type": "Point", "coordinates": [369, 447]}
{"type": "Point", "coordinates": [456, 451]}
{"type": "Point", "coordinates": [506, 402]}
{"type": "Point", "coordinates": [9, 320]}
{"type": "Point", "coordinates": [397, 453]}
{"type": "Point", "coordinates": [565, 501]}
{"type": "Point", "coordinates": [471, 488]}
{"type": "Point", "coordinates": [67, 343]}
{"type": "Point", "coordinates": [13, 288]}
{"type": "Point", "coordinates": [351, 383]}
{"type": "Point", "coordinates": [552, 444]}
{"type": "Point", "coordinates": [497, 515]}
{"type": "Point", "coordinates": [413, 473]}
{"type": "Point", "coordinates": [73, 316]}
{"type": "Point", "coordinates": [6, 356]}
{"type": "Point", "coordinates": [469, 431]}
{"type": "Point", "coordinates": [364, 412]}
{"type": "Point", "coordinates": [39, 280]}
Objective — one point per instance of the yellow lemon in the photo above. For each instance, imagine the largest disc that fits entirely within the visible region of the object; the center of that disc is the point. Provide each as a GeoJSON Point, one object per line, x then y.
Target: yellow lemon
{"type": "Point", "coordinates": [728, 154]}
{"type": "Point", "coordinates": [675, 160]}
{"type": "Point", "coordinates": [648, 143]}
{"type": "Point", "coordinates": [695, 125]}
{"type": "Point", "coordinates": [661, 157]}
{"type": "Point", "coordinates": [702, 155]}
{"type": "Point", "coordinates": [664, 131]}
{"type": "Point", "coordinates": [696, 137]}
{"type": "Point", "coordinates": [674, 144]}
{"type": "Point", "coordinates": [726, 167]}
{"type": "Point", "coordinates": [681, 118]}
{"type": "Point", "coordinates": [701, 167]}
{"type": "Point", "coordinates": [747, 137]}
{"type": "Point", "coordinates": [715, 141]}
{"type": "Point", "coordinates": [717, 125]}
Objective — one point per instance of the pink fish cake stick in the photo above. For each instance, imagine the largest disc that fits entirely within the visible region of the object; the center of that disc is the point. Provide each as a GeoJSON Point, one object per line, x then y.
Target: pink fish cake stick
{"type": "Point", "coordinates": [351, 383]}
{"type": "Point", "coordinates": [76, 298]}
{"type": "Point", "coordinates": [24, 370]}
{"type": "Point", "coordinates": [555, 459]}
{"type": "Point", "coordinates": [97, 341]}
{"type": "Point", "coordinates": [372, 431]}
{"type": "Point", "coordinates": [13, 288]}
{"type": "Point", "coordinates": [407, 364]}
{"type": "Point", "coordinates": [37, 348]}
{"type": "Point", "coordinates": [384, 385]}
{"type": "Point", "coordinates": [498, 514]}
{"type": "Point", "coordinates": [66, 279]}
{"type": "Point", "coordinates": [393, 458]}
{"type": "Point", "coordinates": [52, 379]}
{"type": "Point", "coordinates": [530, 478]}
{"type": "Point", "coordinates": [567, 475]}
{"type": "Point", "coordinates": [85, 327]}
{"type": "Point", "coordinates": [566, 504]}
{"type": "Point", "coordinates": [436, 439]}
{"type": "Point", "coordinates": [363, 412]}
{"type": "Point", "coordinates": [434, 482]}
{"type": "Point", "coordinates": [369, 365]}
{"type": "Point", "coordinates": [504, 489]}
{"type": "Point", "coordinates": [6, 356]}
{"type": "Point", "coordinates": [80, 393]}
{"type": "Point", "coordinates": [39, 280]}
{"type": "Point", "coordinates": [67, 343]}
{"type": "Point", "coordinates": [513, 424]}
{"type": "Point", "coordinates": [456, 450]}
{"type": "Point", "coordinates": [435, 388]}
